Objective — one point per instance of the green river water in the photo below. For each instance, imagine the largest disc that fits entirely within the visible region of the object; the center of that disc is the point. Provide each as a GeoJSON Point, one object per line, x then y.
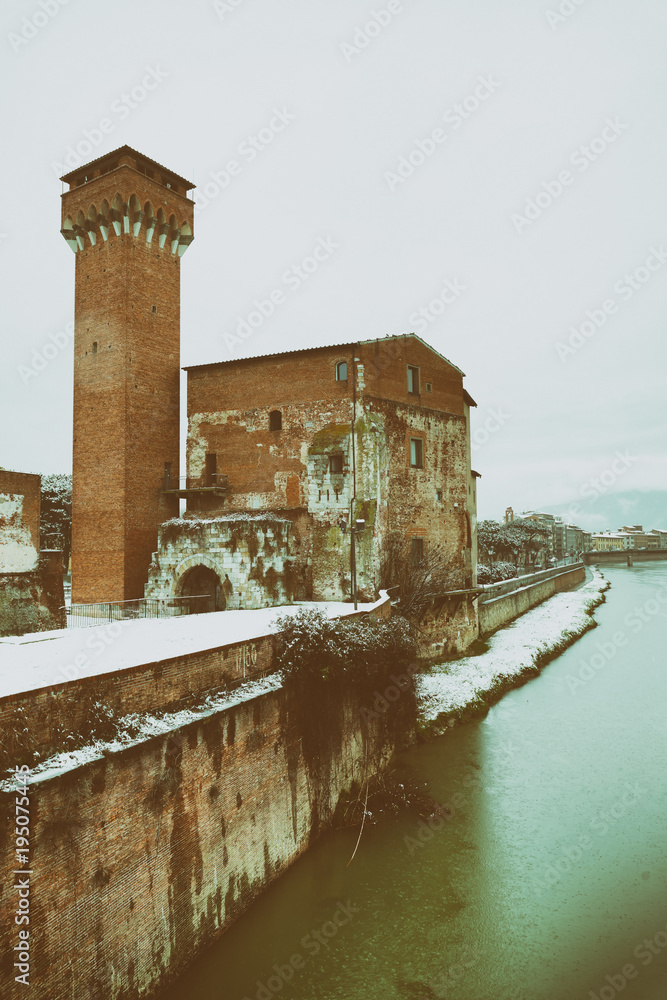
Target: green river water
{"type": "Point", "coordinates": [548, 881]}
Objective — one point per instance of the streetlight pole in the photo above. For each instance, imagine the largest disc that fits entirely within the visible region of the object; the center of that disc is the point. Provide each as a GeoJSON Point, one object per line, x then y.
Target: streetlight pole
{"type": "Point", "coordinates": [356, 527]}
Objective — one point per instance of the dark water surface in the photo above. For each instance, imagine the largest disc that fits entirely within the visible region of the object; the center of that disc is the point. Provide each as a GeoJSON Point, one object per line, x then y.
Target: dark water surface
{"type": "Point", "coordinates": [544, 884]}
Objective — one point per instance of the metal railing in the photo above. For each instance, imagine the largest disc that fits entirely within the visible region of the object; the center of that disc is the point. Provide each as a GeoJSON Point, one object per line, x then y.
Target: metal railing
{"type": "Point", "coordinates": [85, 615]}
{"type": "Point", "coordinates": [212, 481]}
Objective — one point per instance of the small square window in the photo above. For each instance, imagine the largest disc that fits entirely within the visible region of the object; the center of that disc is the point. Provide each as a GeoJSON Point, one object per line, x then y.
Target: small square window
{"type": "Point", "coordinates": [341, 371]}
{"type": "Point", "coordinates": [429, 387]}
{"type": "Point", "coordinates": [416, 453]}
{"type": "Point", "coordinates": [413, 380]}
{"type": "Point", "coordinates": [336, 464]}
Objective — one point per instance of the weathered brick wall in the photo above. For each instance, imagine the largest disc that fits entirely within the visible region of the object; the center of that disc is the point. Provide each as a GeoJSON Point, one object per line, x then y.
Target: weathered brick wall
{"type": "Point", "coordinates": [126, 379]}
{"type": "Point", "coordinates": [448, 626]}
{"type": "Point", "coordinates": [24, 489]}
{"type": "Point", "coordinates": [428, 503]}
{"type": "Point", "coordinates": [385, 374]}
{"type": "Point", "coordinates": [140, 859]}
{"type": "Point", "coordinates": [257, 559]}
{"type": "Point", "coordinates": [41, 722]}
{"type": "Point", "coordinates": [27, 606]}
{"type": "Point", "coordinates": [31, 583]}
{"type": "Point", "coordinates": [63, 713]}
{"type": "Point", "coordinates": [290, 468]}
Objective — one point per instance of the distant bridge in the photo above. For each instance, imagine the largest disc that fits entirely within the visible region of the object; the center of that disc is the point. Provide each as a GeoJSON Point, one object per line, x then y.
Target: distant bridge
{"type": "Point", "coordinates": [627, 556]}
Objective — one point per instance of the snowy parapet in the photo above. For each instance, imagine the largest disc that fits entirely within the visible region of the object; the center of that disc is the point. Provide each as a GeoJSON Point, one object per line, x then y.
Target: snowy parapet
{"type": "Point", "coordinates": [450, 688]}
{"type": "Point", "coordinates": [134, 729]}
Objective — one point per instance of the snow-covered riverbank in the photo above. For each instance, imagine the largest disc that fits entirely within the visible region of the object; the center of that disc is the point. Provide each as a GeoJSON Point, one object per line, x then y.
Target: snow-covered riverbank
{"type": "Point", "coordinates": [460, 689]}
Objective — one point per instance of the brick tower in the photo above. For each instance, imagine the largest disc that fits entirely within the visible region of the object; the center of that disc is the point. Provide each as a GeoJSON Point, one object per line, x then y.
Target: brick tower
{"type": "Point", "coordinates": [128, 220]}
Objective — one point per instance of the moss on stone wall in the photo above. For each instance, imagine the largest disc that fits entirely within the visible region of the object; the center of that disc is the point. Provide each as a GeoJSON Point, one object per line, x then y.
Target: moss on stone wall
{"type": "Point", "coordinates": [334, 436]}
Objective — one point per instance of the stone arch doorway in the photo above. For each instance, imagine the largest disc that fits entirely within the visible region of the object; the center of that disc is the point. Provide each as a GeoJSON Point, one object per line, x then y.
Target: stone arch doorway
{"type": "Point", "coordinates": [204, 586]}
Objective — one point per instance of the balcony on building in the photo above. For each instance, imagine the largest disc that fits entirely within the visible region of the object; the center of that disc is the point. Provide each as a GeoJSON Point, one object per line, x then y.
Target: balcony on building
{"type": "Point", "coordinates": [212, 484]}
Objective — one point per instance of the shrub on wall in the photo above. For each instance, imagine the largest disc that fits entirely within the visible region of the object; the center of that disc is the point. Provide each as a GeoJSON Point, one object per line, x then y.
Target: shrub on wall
{"type": "Point", "coordinates": [495, 573]}
{"type": "Point", "coordinates": [323, 662]}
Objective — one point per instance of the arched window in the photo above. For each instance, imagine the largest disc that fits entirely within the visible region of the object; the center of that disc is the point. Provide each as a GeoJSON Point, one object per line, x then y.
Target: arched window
{"type": "Point", "coordinates": [275, 420]}
{"type": "Point", "coordinates": [341, 371]}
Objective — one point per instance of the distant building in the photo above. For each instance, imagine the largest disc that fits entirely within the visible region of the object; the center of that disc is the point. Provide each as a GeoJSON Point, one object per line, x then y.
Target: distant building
{"type": "Point", "coordinates": [553, 525]}
{"type": "Point", "coordinates": [573, 540]}
{"type": "Point", "coordinates": [641, 539]}
{"type": "Point", "coordinates": [611, 541]}
{"type": "Point", "coordinates": [661, 536]}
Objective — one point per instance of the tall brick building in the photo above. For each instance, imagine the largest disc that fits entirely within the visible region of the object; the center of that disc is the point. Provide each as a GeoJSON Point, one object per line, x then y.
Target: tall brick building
{"type": "Point", "coordinates": [286, 451]}
{"type": "Point", "coordinates": [128, 220]}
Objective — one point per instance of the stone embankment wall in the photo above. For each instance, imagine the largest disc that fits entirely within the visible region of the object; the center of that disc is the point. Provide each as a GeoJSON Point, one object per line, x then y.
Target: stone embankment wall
{"type": "Point", "coordinates": [40, 721]}
{"type": "Point", "coordinates": [501, 602]}
{"type": "Point", "coordinates": [141, 855]}
{"type": "Point", "coordinates": [141, 858]}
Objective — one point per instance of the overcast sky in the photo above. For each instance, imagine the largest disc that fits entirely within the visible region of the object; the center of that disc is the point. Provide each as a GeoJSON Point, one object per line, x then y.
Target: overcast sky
{"type": "Point", "coordinates": [410, 137]}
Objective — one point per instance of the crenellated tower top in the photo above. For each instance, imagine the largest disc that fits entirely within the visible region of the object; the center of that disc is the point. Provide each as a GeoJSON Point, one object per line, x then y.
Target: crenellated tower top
{"type": "Point", "coordinates": [125, 192]}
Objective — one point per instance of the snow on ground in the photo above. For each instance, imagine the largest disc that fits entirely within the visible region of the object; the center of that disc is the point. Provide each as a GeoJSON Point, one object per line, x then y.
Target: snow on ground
{"type": "Point", "coordinates": [40, 659]}
{"type": "Point", "coordinates": [450, 687]}
{"type": "Point", "coordinates": [138, 728]}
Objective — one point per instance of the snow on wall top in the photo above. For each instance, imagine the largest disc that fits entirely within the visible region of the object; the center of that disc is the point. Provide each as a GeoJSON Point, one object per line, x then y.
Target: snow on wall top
{"type": "Point", "coordinates": [41, 659]}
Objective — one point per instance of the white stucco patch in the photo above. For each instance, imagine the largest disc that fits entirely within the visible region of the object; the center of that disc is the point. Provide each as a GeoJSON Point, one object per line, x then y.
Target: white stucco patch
{"type": "Point", "coordinates": [17, 552]}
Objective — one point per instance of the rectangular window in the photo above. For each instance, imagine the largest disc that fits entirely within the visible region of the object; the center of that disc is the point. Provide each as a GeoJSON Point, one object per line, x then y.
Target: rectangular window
{"type": "Point", "coordinates": [341, 371]}
{"type": "Point", "coordinates": [413, 380]}
{"type": "Point", "coordinates": [94, 347]}
{"type": "Point", "coordinates": [429, 387]}
{"type": "Point", "coordinates": [416, 453]}
{"type": "Point", "coordinates": [417, 550]}
{"type": "Point", "coordinates": [336, 464]}
{"type": "Point", "coordinates": [439, 494]}
{"type": "Point", "coordinates": [211, 468]}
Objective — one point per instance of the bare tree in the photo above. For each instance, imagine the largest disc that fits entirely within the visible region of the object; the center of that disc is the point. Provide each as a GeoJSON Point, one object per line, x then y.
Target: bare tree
{"type": "Point", "coordinates": [422, 579]}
